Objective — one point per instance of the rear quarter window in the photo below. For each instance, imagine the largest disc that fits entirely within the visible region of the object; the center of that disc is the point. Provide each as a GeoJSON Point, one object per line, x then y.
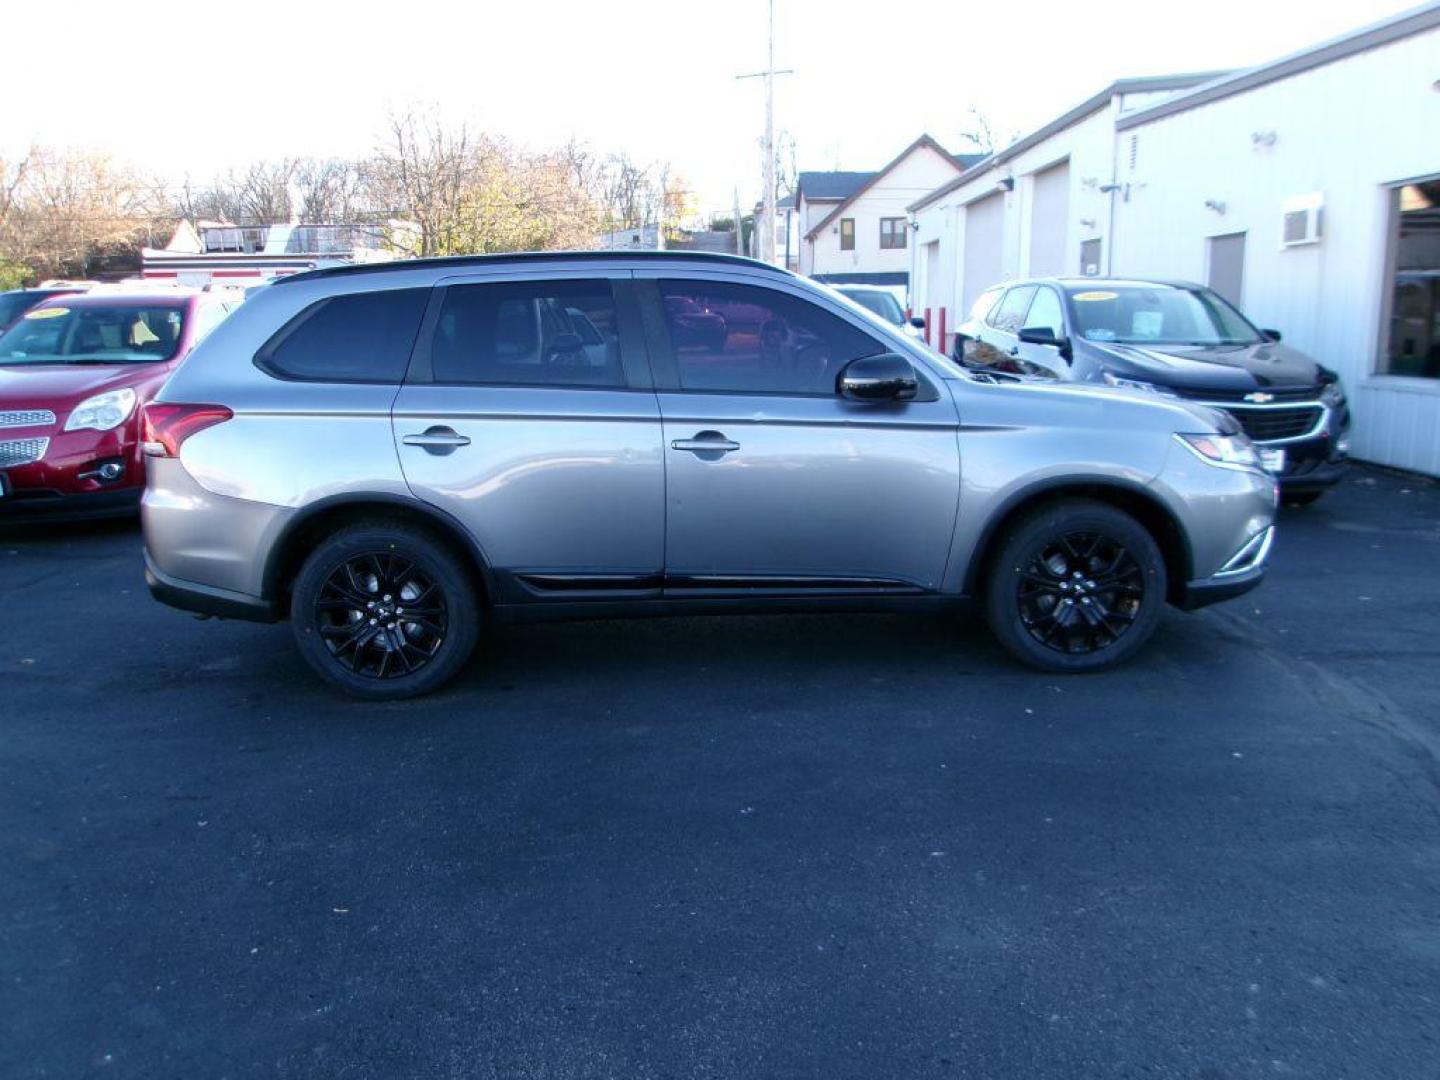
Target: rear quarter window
{"type": "Point", "coordinates": [360, 338]}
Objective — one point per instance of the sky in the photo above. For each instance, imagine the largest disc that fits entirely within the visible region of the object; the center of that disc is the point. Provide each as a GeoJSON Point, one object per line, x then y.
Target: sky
{"type": "Point", "coordinates": [197, 87]}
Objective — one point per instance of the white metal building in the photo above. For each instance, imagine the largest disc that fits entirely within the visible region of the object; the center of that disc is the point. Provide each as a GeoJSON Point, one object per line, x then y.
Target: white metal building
{"type": "Point", "coordinates": [1306, 189]}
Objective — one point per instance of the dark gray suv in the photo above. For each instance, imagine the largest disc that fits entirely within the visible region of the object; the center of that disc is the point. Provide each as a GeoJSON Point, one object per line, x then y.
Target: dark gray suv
{"type": "Point", "coordinates": [394, 455]}
{"type": "Point", "coordinates": [1176, 339]}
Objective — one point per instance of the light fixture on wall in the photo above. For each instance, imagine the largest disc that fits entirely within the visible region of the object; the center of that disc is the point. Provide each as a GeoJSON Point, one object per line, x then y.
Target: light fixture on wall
{"type": "Point", "coordinates": [1087, 223]}
{"type": "Point", "coordinates": [1007, 183]}
{"type": "Point", "coordinates": [1262, 139]}
{"type": "Point", "coordinates": [1216, 205]}
{"type": "Point", "coordinates": [914, 225]}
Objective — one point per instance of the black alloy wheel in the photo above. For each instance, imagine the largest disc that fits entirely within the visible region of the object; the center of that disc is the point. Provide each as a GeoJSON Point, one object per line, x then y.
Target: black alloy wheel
{"type": "Point", "coordinates": [1077, 585]}
{"type": "Point", "coordinates": [1081, 593]}
{"type": "Point", "coordinates": [385, 610]}
{"type": "Point", "coordinates": [381, 615]}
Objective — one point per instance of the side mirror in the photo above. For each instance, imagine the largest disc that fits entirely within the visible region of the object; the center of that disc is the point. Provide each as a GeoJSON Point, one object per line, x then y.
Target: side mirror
{"type": "Point", "coordinates": [917, 321]}
{"type": "Point", "coordinates": [1270, 335]}
{"type": "Point", "coordinates": [1040, 335]}
{"type": "Point", "coordinates": [886, 377]}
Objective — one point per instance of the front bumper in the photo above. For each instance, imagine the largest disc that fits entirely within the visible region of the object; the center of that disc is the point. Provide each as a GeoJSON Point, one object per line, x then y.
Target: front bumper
{"type": "Point", "coordinates": [1243, 572]}
{"type": "Point", "coordinates": [76, 474]}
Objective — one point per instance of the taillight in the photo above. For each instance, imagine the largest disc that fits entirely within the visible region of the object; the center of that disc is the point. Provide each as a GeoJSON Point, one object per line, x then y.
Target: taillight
{"type": "Point", "coordinates": [168, 425]}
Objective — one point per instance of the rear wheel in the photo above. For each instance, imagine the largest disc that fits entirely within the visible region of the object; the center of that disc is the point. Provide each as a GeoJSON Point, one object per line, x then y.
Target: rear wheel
{"type": "Point", "coordinates": [384, 611]}
{"type": "Point", "coordinates": [1075, 586]}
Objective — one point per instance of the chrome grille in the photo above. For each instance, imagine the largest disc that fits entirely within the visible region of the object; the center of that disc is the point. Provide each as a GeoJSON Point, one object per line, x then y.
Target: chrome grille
{"type": "Point", "coordinates": [22, 451]}
{"type": "Point", "coordinates": [26, 418]}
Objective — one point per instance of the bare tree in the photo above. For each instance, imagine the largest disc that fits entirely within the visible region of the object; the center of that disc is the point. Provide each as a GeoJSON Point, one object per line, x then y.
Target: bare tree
{"type": "Point", "coordinates": [980, 134]}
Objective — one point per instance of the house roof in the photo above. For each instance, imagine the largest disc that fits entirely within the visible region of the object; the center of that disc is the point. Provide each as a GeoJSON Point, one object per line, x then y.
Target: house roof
{"type": "Point", "coordinates": [832, 186]}
{"type": "Point", "coordinates": [1146, 85]}
{"type": "Point", "coordinates": [924, 141]}
{"type": "Point", "coordinates": [1394, 28]}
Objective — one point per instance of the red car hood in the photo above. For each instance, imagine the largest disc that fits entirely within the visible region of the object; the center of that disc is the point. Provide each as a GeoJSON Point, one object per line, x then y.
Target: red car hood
{"type": "Point", "coordinates": [60, 387]}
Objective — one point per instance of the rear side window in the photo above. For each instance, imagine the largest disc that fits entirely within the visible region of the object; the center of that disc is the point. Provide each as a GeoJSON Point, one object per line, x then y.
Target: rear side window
{"type": "Point", "coordinates": [983, 303]}
{"type": "Point", "coordinates": [540, 333]}
{"type": "Point", "coordinates": [1011, 312]}
{"type": "Point", "coordinates": [360, 338]}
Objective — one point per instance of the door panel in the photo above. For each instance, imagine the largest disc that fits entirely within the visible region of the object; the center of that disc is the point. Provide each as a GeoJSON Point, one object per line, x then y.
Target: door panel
{"type": "Point", "coordinates": [816, 487]}
{"type": "Point", "coordinates": [562, 480]}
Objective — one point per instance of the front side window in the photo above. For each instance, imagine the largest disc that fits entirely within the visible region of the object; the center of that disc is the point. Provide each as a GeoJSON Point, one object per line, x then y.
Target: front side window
{"type": "Point", "coordinates": [847, 234]}
{"type": "Point", "coordinates": [1158, 315]}
{"type": "Point", "coordinates": [730, 338]}
{"type": "Point", "coordinates": [1045, 313]}
{"type": "Point", "coordinates": [1009, 315]}
{"type": "Point", "coordinates": [531, 333]}
{"type": "Point", "coordinates": [892, 233]}
{"type": "Point", "coordinates": [362, 337]}
{"type": "Point", "coordinates": [97, 334]}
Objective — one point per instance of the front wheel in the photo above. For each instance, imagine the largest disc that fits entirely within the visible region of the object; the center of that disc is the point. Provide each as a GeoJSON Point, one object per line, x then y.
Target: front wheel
{"type": "Point", "coordinates": [1076, 586]}
{"type": "Point", "coordinates": [384, 611]}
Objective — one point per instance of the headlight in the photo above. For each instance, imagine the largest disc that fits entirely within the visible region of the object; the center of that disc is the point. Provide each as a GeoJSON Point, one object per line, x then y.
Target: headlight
{"type": "Point", "coordinates": [103, 412]}
{"type": "Point", "coordinates": [1333, 396]}
{"type": "Point", "coordinates": [1136, 384]}
{"type": "Point", "coordinates": [1223, 451]}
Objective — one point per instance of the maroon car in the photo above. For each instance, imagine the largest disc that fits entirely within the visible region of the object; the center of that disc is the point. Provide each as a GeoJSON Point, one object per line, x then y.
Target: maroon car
{"type": "Point", "coordinates": [75, 372]}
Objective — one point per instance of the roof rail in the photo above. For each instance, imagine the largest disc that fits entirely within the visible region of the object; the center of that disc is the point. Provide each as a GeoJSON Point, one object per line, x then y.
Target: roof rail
{"type": "Point", "coordinates": [458, 261]}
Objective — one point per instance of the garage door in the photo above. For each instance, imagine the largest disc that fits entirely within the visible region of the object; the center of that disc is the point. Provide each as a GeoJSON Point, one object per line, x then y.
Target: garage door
{"type": "Point", "coordinates": [1049, 217]}
{"type": "Point", "coordinates": [984, 232]}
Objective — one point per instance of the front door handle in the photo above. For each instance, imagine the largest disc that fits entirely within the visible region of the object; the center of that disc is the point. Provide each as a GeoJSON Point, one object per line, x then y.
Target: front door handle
{"type": "Point", "coordinates": [437, 440]}
{"type": "Point", "coordinates": [706, 442]}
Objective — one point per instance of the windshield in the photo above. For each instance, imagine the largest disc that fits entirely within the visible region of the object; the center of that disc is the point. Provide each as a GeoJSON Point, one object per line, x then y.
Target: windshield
{"type": "Point", "coordinates": [113, 334]}
{"type": "Point", "coordinates": [881, 303]}
{"type": "Point", "coordinates": [1158, 315]}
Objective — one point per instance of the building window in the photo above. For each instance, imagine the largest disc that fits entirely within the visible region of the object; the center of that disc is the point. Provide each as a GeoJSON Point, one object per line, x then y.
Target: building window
{"type": "Point", "coordinates": [892, 233]}
{"type": "Point", "coordinates": [1413, 337]}
{"type": "Point", "coordinates": [847, 234]}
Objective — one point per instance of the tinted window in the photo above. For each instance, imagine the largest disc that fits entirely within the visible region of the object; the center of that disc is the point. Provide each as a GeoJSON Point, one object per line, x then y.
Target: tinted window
{"type": "Point", "coordinates": [1045, 312]}
{"type": "Point", "coordinates": [13, 305]}
{"type": "Point", "coordinates": [547, 333]}
{"type": "Point", "coordinates": [748, 339]}
{"type": "Point", "coordinates": [363, 337]}
{"type": "Point", "coordinates": [1011, 312]}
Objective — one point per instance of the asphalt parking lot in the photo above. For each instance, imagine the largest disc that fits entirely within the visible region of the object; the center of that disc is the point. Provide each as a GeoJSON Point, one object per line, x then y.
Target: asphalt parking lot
{"type": "Point", "coordinates": [791, 847]}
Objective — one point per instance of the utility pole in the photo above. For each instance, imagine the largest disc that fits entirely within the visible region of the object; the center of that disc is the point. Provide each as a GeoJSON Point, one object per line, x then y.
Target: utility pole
{"type": "Point", "coordinates": [767, 214]}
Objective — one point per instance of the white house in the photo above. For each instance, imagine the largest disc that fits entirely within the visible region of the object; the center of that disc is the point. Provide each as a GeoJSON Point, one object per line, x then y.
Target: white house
{"type": "Point", "coordinates": [854, 226]}
{"type": "Point", "coordinates": [1306, 189]}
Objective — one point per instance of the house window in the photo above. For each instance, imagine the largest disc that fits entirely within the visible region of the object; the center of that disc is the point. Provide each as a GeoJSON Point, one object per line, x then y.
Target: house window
{"type": "Point", "coordinates": [892, 233]}
{"type": "Point", "coordinates": [847, 234]}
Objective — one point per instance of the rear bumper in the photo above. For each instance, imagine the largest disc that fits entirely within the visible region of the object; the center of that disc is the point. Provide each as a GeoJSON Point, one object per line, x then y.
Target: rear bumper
{"type": "Point", "coordinates": [205, 599]}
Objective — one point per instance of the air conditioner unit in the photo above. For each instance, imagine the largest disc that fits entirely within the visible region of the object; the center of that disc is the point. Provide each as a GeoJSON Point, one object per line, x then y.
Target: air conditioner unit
{"type": "Point", "coordinates": [1302, 219]}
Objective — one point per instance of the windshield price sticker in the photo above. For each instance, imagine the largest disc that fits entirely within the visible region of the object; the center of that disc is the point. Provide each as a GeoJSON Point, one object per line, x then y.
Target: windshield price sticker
{"type": "Point", "coordinates": [1096, 295]}
{"type": "Point", "coordinates": [47, 313]}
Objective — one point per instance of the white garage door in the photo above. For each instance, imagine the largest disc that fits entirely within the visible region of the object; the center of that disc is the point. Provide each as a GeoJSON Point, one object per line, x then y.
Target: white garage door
{"type": "Point", "coordinates": [984, 233]}
{"type": "Point", "coordinates": [1049, 216]}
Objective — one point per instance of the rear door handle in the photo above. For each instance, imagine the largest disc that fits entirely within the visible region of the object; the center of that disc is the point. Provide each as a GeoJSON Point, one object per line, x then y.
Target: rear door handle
{"type": "Point", "coordinates": [706, 442]}
{"type": "Point", "coordinates": [437, 440]}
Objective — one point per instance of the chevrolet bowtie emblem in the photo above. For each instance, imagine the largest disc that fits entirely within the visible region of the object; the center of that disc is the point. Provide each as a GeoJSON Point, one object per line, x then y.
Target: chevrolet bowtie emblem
{"type": "Point", "coordinates": [1259, 397]}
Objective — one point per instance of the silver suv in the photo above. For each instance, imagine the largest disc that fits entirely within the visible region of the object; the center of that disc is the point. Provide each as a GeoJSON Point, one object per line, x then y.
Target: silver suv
{"type": "Point", "coordinates": [393, 455]}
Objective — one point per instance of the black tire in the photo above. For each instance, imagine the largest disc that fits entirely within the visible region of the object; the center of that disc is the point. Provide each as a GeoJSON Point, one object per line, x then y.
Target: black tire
{"type": "Point", "coordinates": [347, 609]}
{"type": "Point", "coordinates": [1300, 498]}
{"type": "Point", "coordinates": [1031, 587]}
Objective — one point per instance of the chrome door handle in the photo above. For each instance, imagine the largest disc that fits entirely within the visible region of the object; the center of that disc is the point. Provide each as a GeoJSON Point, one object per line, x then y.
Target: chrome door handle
{"type": "Point", "coordinates": [437, 440]}
{"type": "Point", "coordinates": [706, 442]}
